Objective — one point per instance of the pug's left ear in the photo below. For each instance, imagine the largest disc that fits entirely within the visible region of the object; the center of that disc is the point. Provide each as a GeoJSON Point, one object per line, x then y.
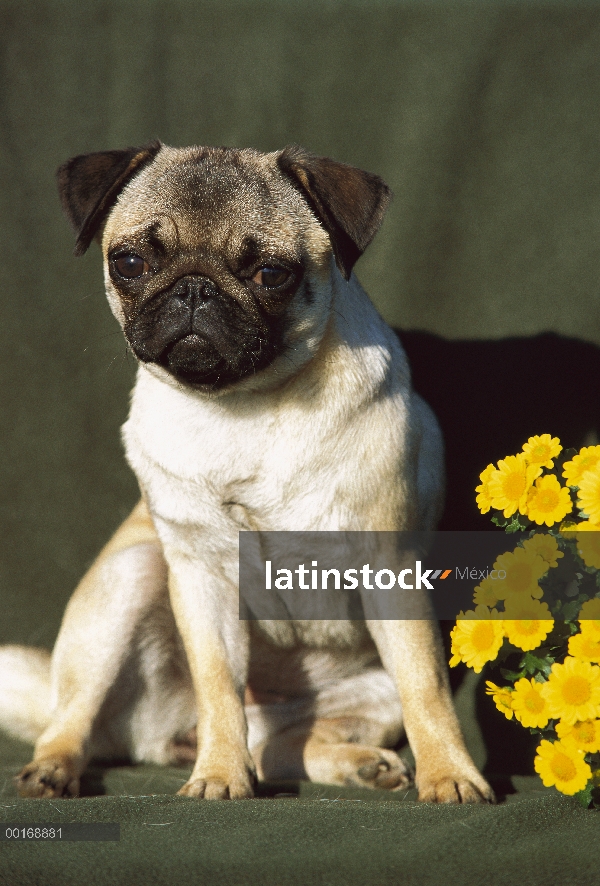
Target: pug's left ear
{"type": "Point", "coordinates": [349, 203]}
{"type": "Point", "coordinates": [89, 185]}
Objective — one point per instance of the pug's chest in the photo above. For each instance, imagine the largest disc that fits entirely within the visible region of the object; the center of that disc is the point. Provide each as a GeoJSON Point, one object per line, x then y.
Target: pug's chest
{"type": "Point", "coordinates": [206, 467]}
{"type": "Point", "coordinates": [258, 487]}
{"type": "Point", "coordinates": [189, 474]}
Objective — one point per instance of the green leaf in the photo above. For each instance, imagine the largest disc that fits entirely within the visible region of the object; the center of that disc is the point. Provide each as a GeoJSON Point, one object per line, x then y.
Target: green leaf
{"type": "Point", "coordinates": [499, 520]}
{"type": "Point", "coordinates": [542, 651]}
{"type": "Point", "coordinates": [517, 524]}
{"type": "Point", "coordinates": [532, 663]}
{"type": "Point", "coordinates": [585, 796]}
{"type": "Point", "coordinates": [513, 676]}
{"type": "Point", "coordinates": [571, 610]}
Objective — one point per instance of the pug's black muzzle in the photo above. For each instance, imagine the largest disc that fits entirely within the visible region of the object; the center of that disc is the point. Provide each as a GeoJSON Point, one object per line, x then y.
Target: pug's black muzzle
{"type": "Point", "coordinates": [202, 335]}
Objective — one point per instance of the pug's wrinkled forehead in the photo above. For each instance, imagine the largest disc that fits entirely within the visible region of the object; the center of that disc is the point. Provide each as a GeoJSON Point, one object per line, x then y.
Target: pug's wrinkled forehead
{"type": "Point", "coordinates": [235, 206]}
{"type": "Point", "coordinates": [348, 203]}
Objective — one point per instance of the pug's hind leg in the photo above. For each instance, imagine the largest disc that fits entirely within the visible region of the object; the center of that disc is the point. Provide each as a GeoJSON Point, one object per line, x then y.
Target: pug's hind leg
{"type": "Point", "coordinates": [342, 736]}
{"type": "Point", "coordinates": [347, 762]}
{"type": "Point", "coordinates": [95, 640]}
{"type": "Point", "coordinates": [331, 751]}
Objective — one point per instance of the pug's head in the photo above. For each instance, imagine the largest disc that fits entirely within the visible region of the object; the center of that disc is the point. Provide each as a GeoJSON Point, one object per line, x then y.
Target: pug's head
{"type": "Point", "coordinates": [218, 261]}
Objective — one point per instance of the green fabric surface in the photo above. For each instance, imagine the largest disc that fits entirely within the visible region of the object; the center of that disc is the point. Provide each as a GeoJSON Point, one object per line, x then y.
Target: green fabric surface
{"type": "Point", "coordinates": [319, 835]}
{"type": "Point", "coordinates": [323, 835]}
{"type": "Point", "coordinates": [484, 117]}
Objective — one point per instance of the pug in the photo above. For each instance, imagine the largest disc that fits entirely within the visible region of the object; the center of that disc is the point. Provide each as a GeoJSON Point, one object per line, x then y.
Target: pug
{"type": "Point", "coordinates": [270, 395]}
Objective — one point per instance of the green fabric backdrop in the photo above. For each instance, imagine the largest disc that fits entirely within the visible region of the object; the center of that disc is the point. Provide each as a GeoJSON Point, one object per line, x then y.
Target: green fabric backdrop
{"type": "Point", "coordinates": [485, 120]}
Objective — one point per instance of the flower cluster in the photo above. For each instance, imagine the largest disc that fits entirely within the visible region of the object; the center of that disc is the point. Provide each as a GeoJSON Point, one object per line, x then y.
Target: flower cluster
{"type": "Point", "coordinates": [544, 615]}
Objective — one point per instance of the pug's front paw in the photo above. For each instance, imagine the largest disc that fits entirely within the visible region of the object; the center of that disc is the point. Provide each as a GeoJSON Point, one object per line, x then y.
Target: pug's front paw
{"type": "Point", "coordinates": [455, 788]}
{"type": "Point", "coordinates": [219, 785]}
{"type": "Point", "coordinates": [51, 777]}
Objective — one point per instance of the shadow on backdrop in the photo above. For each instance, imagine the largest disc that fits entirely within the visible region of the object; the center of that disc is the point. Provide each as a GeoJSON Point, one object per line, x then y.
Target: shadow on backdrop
{"type": "Point", "coordinates": [490, 396]}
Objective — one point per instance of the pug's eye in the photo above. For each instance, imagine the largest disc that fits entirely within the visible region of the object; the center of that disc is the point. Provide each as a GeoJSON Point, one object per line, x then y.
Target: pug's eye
{"type": "Point", "coordinates": [271, 277]}
{"type": "Point", "coordinates": [130, 266]}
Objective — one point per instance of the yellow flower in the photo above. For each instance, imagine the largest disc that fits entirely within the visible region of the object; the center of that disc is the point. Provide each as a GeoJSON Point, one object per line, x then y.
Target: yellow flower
{"type": "Point", "coordinates": [508, 486]}
{"type": "Point", "coordinates": [588, 543]}
{"type": "Point", "coordinates": [476, 637]}
{"type": "Point", "coordinates": [523, 570]}
{"type": "Point", "coordinates": [589, 618]}
{"type": "Point", "coordinates": [486, 592]}
{"type": "Point", "coordinates": [569, 528]}
{"type": "Point", "coordinates": [562, 766]}
{"type": "Point", "coordinates": [583, 735]}
{"type": "Point", "coordinates": [548, 502]}
{"type": "Point", "coordinates": [546, 546]}
{"type": "Point", "coordinates": [585, 647]}
{"type": "Point", "coordinates": [573, 691]}
{"type": "Point", "coordinates": [501, 695]}
{"type": "Point", "coordinates": [527, 623]}
{"type": "Point", "coordinates": [529, 705]}
{"type": "Point", "coordinates": [589, 494]}
{"type": "Point", "coordinates": [588, 458]}
{"type": "Point", "coordinates": [483, 500]}
{"type": "Point", "coordinates": [590, 609]}
{"type": "Point", "coordinates": [541, 450]}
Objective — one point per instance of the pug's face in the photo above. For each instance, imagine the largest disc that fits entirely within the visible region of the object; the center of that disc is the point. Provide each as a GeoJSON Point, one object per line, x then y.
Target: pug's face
{"type": "Point", "coordinates": [213, 260]}
{"type": "Point", "coordinates": [218, 261]}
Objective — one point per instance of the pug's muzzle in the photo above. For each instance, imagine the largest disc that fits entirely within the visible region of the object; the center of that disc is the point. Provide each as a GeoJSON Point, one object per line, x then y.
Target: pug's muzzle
{"type": "Point", "coordinates": [202, 335]}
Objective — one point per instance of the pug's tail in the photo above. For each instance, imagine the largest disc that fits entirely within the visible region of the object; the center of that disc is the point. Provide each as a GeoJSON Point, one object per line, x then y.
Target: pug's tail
{"type": "Point", "coordinates": [24, 691]}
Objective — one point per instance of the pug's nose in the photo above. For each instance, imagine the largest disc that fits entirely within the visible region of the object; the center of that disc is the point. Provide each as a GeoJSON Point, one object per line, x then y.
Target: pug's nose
{"type": "Point", "coordinates": [193, 290]}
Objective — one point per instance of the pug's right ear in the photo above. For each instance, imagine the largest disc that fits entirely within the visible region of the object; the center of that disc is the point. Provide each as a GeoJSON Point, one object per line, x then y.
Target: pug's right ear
{"type": "Point", "coordinates": [89, 184]}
